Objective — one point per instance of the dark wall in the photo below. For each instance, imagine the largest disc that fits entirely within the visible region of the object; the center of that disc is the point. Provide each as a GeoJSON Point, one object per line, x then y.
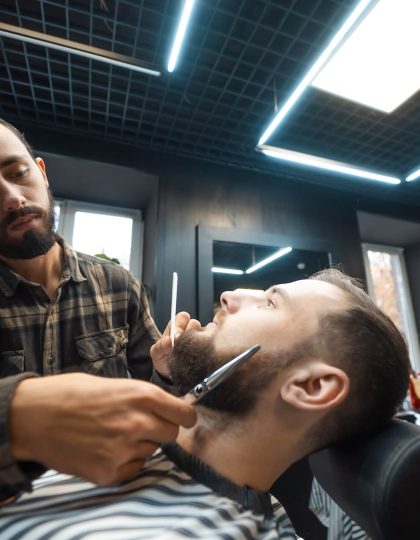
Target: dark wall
{"type": "Point", "coordinates": [193, 193]}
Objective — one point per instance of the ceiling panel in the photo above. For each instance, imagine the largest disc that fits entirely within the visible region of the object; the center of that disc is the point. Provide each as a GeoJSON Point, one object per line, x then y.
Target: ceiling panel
{"type": "Point", "coordinates": [241, 60]}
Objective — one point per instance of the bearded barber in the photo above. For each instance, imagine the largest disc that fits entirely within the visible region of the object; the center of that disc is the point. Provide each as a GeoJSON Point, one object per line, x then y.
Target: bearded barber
{"type": "Point", "coordinates": [67, 317]}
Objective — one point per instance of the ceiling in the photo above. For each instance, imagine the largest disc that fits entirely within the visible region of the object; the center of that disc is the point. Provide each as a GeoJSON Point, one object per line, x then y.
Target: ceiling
{"type": "Point", "coordinates": [240, 62]}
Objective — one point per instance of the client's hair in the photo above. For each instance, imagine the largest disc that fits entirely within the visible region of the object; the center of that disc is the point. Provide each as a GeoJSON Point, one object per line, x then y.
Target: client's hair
{"type": "Point", "coordinates": [367, 345]}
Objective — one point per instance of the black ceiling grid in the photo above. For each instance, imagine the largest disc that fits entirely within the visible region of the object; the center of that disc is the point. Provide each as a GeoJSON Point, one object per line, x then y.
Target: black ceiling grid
{"type": "Point", "coordinates": [241, 60]}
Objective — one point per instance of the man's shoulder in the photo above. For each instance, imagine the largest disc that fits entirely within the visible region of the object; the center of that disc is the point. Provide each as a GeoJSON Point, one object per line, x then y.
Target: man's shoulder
{"type": "Point", "coordinates": [89, 266]}
{"type": "Point", "coordinates": [93, 259]}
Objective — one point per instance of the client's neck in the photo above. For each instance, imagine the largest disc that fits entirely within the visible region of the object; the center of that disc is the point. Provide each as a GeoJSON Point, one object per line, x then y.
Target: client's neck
{"type": "Point", "coordinates": [254, 451]}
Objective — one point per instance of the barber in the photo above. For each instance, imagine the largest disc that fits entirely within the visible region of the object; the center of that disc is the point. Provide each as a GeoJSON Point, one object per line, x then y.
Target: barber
{"type": "Point", "coordinates": [61, 314]}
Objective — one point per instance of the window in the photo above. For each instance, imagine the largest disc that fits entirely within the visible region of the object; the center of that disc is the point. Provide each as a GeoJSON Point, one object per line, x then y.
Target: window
{"type": "Point", "coordinates": [96, 229]}
{"type": "Point", "coordinates": [388, 286]}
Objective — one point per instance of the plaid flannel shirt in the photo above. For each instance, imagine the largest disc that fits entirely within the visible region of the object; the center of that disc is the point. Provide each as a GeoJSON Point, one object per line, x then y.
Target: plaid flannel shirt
{"type": "Point", "coordinates": [99, 323]}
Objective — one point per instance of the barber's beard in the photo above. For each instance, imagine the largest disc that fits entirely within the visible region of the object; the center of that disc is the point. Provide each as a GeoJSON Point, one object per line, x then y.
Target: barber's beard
{"type": "Point", "coordinates": [34, 242]}
{"type": "Point", "coordinates": [194, 358]}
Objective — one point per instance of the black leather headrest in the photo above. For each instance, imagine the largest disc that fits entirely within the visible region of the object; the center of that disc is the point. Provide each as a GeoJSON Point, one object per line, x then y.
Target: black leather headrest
{"type": "Point", "coordinates": [376, 480]}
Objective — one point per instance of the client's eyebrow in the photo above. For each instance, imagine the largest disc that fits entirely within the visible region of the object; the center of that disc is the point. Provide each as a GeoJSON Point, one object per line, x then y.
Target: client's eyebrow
{"type": "Point", "coordinates": [12, 159]}
{"type": "Point", "coordinates": [280, 292]}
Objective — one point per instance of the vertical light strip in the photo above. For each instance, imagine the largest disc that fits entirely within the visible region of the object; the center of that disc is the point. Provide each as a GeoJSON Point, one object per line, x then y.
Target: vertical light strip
{"type": "Point", "coordinates": [317, 66]}
{"type": "Point", "coordinates": [180, 34]}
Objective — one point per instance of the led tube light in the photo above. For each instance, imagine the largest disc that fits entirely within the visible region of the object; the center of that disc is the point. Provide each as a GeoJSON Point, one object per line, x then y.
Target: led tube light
{"type": "Point", "coordinates": [269, 259]}
{"type": "Point", "coordinates": [324, 163]}
{"type": "Point", "coordinates": [220, 270]}
{"type": "Point", "coordinates": [73, 47]}
{"type": "Point", "coordinates": [180, 34]}
{"type": "Point", "coordinates": [413, 176]}
{"type": "Point", "coordinates": [337, 40]}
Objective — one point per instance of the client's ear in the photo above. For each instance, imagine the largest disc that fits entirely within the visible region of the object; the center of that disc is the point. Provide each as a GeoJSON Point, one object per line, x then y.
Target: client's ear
{"type": "Point", "coordinates": [315, 386]}
{"type": "Point", "coordinates": [41, 165]}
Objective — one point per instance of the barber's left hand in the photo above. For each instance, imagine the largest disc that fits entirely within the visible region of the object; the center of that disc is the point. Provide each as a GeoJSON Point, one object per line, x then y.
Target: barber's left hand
{"type": "Point", "coordinates": [159, 352]}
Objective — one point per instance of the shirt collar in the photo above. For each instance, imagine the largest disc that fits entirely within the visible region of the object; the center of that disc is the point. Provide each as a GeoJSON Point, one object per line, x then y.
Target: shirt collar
{"type": "Point", "coordinates": [9, 280]}
{"type": "Point", "coordinates": [71, 265]}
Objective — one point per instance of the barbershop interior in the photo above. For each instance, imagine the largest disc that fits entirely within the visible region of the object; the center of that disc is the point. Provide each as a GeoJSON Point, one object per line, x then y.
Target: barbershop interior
{"type": "Point", "coordinates": [210, 150]}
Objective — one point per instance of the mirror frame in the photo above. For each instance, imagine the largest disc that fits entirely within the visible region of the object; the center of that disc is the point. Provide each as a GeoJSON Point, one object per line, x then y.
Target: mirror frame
{"type": "Point", "coordinates": [207, 235]}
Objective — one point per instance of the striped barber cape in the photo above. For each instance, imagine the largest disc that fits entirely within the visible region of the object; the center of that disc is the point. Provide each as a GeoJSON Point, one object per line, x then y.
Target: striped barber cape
{"type": "Point", "coordinates": [163, 502]}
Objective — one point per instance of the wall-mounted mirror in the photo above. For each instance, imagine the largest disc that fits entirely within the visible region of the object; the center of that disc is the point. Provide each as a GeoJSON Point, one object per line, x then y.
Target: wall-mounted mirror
{"type": "Point", "coordinates": [226, 261]}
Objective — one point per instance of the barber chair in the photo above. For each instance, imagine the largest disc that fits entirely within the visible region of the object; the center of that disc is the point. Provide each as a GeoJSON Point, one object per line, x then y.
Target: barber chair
{"type": "Point", "coordinates": [293, 490]}
{"type": "Point", "coordinates": [376, 481]}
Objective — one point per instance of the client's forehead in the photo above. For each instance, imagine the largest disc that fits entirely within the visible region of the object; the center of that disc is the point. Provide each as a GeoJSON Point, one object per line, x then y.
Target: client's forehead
{"type": "Point", "coordinates": [322, 292]}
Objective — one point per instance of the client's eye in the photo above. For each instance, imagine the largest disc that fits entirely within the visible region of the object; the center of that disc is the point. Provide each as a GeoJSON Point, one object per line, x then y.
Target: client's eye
{"type": "Point", "coordinates": [19, 173]}
{"type": "Point", "coordinates": [266, 302]}
{"type": "Point", "coordinates": [269, 303]}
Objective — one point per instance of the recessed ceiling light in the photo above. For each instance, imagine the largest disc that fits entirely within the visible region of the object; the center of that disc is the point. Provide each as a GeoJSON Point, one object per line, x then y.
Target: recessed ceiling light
{"type": "Point", "coordinates": [339, 37]}
{"type": "Point", "coordinates": [378, 64]}
{"type": "Point", "coordinates": [269, 259]}
{"type": "Point", "coordinates": [180, 34]}
{"type": "Point", "coordinates": [324, 163]}
{"type": "Point", "coordinates": [220, 270]}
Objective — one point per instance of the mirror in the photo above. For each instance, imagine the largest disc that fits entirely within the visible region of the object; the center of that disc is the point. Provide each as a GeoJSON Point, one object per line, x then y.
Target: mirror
{"type": "Point", "coordinates": [219, 250]}
{"type": "Point", "coordinates": [289, 266]}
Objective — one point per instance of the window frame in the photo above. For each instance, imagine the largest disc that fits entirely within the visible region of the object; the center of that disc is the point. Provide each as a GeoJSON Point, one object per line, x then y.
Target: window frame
{"type": "Point", "coordinates": [68, 209]}
{"type": "Point", "coordinates": [403, 288]}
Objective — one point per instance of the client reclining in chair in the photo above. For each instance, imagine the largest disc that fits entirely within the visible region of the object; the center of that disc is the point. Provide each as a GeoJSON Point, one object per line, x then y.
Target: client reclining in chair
{"type": "Point", "coordinates": [331, 365]}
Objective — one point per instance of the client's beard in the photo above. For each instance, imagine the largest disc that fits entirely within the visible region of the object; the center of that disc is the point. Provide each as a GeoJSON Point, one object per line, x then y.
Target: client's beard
{"type": "Point", "coordinates": [194, 358]}
{"type": "Point", "coordinates": [34, 242]}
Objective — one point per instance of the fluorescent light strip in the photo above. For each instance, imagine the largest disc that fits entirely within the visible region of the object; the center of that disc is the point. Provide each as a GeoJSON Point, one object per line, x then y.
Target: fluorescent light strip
{"type": "Point", "coordinates": [413, 176]}
{"type": "Point", "coordinates": [269, 259]}
{"type": "Point", "coordinates": [317, 66]}
{"type": "Point", "coordinates": [180, 34]}
{"type": "Point", "coordinates": [72, 47]}
{"type": "Point", "coordinates": [324, 163]}
{"type": "Point", "coordinates": [219, 270]}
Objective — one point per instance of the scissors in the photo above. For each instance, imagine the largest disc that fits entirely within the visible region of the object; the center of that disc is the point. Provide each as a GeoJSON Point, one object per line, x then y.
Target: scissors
{"type": "Point", "coordinates": [221, 374]}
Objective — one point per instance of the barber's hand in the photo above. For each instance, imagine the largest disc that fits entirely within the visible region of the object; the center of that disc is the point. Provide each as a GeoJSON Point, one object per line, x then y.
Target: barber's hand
{"type": "Point", "coordinates": [97, 428]}
{"type": "Point", "coordinates": [159, 352]}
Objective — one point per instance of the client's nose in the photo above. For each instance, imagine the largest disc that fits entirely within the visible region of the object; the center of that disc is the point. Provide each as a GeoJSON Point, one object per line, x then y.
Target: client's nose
{"type": "Point", "coordinates": [232, 301]}
{"type": "Point", "coordinates": [229, 301]}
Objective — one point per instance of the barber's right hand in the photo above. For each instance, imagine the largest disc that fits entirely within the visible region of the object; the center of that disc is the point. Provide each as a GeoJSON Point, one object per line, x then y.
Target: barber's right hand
{"type": "Point", "coordinates": [159, 352]}
{"type": "Point", "coordinates": [97, 428]}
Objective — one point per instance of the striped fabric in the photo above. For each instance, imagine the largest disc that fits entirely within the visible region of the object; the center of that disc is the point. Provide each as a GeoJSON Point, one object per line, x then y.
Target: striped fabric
{"type": "Point", "coordinates": [340, 525]}
{"type": "Point", "coordinates": [162, 502]}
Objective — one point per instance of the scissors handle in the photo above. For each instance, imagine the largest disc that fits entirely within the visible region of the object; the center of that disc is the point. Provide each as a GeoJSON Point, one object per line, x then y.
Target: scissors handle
{"type": "Point", "coordinates": [221, 374]}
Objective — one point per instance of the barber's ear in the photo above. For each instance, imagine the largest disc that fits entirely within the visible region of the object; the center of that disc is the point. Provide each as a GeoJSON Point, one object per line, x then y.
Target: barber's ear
{"type": "Point", "coordinates": [41, 164]}
{"type": "Point", "coordinates": [315, 386]}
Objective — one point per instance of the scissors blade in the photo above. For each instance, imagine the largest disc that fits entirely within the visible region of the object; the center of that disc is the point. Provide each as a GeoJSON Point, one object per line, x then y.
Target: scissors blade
{"type": "Point", "coordinates": [221, 374]}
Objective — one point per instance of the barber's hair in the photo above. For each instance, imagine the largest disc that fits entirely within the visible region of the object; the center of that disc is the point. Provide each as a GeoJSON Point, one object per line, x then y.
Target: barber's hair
{"type": "Point", "coordinates": [19, 135]}
{"type": "Point", "coordinates": [364, 342]}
